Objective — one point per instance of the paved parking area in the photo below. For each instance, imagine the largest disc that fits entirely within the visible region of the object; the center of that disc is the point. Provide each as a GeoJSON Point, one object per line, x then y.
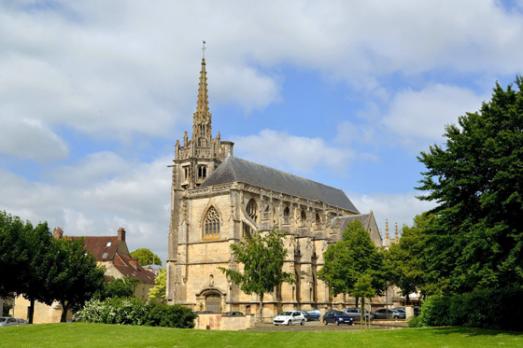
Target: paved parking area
{"type": "Point", "coordinates": [318, 326]}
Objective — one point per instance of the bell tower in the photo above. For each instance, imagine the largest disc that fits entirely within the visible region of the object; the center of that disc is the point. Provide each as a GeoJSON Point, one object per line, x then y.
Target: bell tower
{"type": "Point", "coordinates": [195, 158]}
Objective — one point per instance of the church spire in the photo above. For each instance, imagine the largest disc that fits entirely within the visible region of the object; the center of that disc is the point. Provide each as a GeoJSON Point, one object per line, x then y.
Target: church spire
{"type": "Point", "coordinates": [202, 115]}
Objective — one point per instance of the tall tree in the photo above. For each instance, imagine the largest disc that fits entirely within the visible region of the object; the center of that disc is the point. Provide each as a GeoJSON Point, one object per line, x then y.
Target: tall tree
{"type": "Point", "coordinates": [404, 260]}
{"type": "Point", "coordinates": [74, 275]}
{"type": "Point", "coordinates": [262, 257]}
{"type": "Point", "coordinates": [350, 258]}
{"type": "Point", "coordinates": [157, 292]}
{"type": "Point", "coordinates": [146, 257]}
{"type": "Point", "coordinates": [35, 286]}
{"type": "Point", "coordinates": [14, 256]}
{"type": "Point", "coordinates": [476, 179]}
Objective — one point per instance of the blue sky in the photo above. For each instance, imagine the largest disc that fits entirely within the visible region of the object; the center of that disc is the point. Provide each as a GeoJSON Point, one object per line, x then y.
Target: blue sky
{"type": "Point", "coordinates": [94, 95]}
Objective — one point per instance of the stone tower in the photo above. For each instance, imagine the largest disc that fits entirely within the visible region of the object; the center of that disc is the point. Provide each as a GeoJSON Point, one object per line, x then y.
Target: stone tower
{"type": "Point", "coordinates": [194, 160]}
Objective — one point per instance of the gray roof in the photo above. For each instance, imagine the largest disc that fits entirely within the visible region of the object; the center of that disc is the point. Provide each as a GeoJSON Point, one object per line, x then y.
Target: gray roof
{"type": "Point", "coordinates": [342, 221]}
{"type": "Point", "coordinates": [234, 169]}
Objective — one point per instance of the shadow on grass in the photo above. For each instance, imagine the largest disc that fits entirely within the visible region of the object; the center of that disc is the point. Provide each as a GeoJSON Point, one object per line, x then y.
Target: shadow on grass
{"type": "Point", "coordinates": [470, 331]}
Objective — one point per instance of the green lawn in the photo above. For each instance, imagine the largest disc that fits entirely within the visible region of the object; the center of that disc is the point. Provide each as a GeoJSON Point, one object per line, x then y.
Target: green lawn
{"type": "Point", "coordinates": [112, 336]}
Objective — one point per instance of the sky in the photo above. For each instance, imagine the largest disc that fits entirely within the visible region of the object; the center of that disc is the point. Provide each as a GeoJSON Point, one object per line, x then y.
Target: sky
{"type": "Point", "coordinates": [94, 94]}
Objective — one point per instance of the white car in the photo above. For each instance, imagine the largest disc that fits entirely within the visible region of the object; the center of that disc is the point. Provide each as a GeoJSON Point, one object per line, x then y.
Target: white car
{"type": "Point", "coordinates": [289, 318]}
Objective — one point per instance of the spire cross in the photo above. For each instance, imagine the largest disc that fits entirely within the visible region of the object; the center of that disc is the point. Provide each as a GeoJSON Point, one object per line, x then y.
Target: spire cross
{"type": "Point", "coordinates": [203, 49]}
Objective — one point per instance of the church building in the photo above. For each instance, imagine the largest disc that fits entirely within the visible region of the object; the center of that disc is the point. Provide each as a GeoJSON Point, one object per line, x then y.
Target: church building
{"type": "Point", "coordinates": [218, 199]}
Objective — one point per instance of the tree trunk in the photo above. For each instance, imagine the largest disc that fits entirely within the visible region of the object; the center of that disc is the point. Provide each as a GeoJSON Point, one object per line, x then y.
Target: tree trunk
{"type": "Point", "coordinates": [65, 309]}
{"type": "Point", "coordinates": [31, 310]}
{"type": "Point", "coordinates": [260, 309]}
{"type": "Point", "coordinates": [407, 300]}
{"type": "Point", "coordinates": [362, 312]}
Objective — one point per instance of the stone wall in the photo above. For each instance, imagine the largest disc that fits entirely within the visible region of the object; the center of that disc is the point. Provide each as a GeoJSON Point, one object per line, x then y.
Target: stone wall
{"type": "Point", "coordinates": [219, 322]}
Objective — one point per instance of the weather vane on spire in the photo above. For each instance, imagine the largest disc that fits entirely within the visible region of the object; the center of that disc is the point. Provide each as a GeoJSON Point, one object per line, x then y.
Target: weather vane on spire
{"type": "Point", "coordinates": [203, 49]}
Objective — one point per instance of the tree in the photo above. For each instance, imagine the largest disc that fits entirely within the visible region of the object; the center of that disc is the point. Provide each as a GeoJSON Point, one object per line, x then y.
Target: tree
{"type": "Point", "coordinates": [157, 292]}
{"type": "Point", "coordinates": [404, 260]}
{"type": "Point", "coordinates": [146, 257]}
{"type": "Point", "coordinates": [363, 289]}
{"type": "Point", "coordinates": [262, 257]}
{"type": "Point", "coordinates": [476, 179]}
{"type": "Point", "coordinates": [74, 275]}
{"type": "Point", "coordinates": [349, 259]}
{"type": "Point", "coordinates": [121, 287]}
{"type": "Point", "coordinates": [25, 253]}
{"type": "Point", "coordinates": [35, 284]}
{"type": "Point", "coordinates": [14, 256]}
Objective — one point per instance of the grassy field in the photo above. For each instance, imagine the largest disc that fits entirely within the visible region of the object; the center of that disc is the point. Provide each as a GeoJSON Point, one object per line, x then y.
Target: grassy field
{"type": "Point", "coordinates": [112, 336]}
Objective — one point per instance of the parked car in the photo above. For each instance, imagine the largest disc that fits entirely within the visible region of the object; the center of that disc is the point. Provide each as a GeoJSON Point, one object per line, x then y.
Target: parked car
{"type": "Point", "coordinates": [386, 313]}
{"type": "Point", "coordinates": [313, 315]}
{"type": "Point", "coordinates": [289, 318]}
{"type": "Point", "coordinates": [355, 313]}
{"type": "Point", "coordinates": [8, 321]}
{"type": "Point", "coordinates": [21, 321]}
{"type": "Point", "coordinates": [402, 314]}
{"type": "Point", "coordinates": [233, 314]}
{"type": "Point", "coordinates": [337, 317]}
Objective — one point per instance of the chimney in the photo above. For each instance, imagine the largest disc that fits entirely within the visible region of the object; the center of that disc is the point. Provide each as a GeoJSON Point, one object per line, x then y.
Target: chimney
{"type": "Point", "coordinates": [58, 233]}
{"type": "Point", "coordinates": [121, 234]}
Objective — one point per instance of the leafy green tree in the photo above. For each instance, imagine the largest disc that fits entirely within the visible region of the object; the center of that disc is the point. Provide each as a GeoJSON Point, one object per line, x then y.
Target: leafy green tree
{"type": "Point", "coordinates": [363, 289]}
{"type": "Point", "coordinates": [121, 287]}
{"type": "Point", "coordinates": [14, 255]}
{"type": "Point", "coordinates": [476, 179]}
{"type": "Point", "coordinates": [404, 260]}
{"type": "Point", "coordinates": [25, 254]}
{"type": "Point", "coordinates": [35, 285]}
{"type": "Point", "coordinates": [157, 292]}
{"type": "Point", "coordinates": [350, 258]}
{"type": "Point", "coordinates": [74, 275]}
{"type": "Point", "coordinates": [146, 257]}
{"type": "Point", "coordinates": [262, 257]}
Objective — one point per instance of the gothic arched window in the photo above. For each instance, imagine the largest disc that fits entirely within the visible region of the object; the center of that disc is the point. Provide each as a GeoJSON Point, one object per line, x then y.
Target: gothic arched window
{"type": "Point", "coordinates": [252, 210]}
{"type": "Point", "coordinates": [286, 214]}
{"type": "Point", "coordinates": [211, 223]}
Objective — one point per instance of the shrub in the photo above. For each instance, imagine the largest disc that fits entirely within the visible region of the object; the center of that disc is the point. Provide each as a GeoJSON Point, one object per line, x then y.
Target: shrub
{"type": "Point", "coordinates": [132, 311]}
{"type": "Point", "coordinates": [494, 309]}
{"type": "Point", "coordinates": [415, 322]}
{"type": "Point", "coordinates": [172, 316]}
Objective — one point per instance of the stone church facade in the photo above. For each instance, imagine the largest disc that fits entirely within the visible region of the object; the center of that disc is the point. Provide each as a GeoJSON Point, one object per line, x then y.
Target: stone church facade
{"type": "Point", "coordinates": [217, 199]}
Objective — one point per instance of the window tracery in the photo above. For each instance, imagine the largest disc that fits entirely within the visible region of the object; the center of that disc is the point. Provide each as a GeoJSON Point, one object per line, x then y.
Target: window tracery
{"type": "Point", "coordinates": [211, 223]}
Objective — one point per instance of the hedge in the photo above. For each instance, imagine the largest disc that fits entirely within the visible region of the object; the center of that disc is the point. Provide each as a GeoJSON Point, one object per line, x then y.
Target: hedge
{"type": "Point", "coordinates": [494, 309]}
{"type": "Point", "coordinates": [132, 311]}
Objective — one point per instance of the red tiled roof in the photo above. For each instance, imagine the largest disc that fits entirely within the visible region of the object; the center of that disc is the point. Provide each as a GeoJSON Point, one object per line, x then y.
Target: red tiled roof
{"type": "Point", "coordinates": [112, 249]}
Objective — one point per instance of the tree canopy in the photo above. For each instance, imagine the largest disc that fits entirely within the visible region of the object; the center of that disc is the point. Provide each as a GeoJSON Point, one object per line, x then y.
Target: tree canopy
{"type": "Point", "coordinates": [349, 259]}
{"type": "Point", "coordinates": [404, 261]}
{"type": "Point", "coordinates": [476, 179]}
{"type": "Point", "coordinates": [262, 257]}
{"type": "Point", "coordinates": [74, 275]}
{"type": "Point", "coordinates": [157, 292]}
{"type": "Point", "coordinates": [146, 257]}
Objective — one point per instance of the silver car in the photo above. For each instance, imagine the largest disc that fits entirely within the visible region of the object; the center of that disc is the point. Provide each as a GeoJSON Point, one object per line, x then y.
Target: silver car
{"type": "Point", "coordinates": [8, 321]}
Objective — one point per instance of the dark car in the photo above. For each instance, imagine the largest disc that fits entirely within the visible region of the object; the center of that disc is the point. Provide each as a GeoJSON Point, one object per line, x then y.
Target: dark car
{"type": "Point", "coordinates": [337, 317]}
{"type": "Point", "coordinates": [385, 313]}
{"type": "Point", "coordinates": [313, 315]}
{"type": "Point", "coordinates": [233, 314]}
{"type": "Point", "coordinates": [355, 313]}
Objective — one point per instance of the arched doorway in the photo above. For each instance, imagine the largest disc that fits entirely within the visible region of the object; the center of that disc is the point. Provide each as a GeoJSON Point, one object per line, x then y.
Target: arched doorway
{"type": "Point", "coordinates": [213, 302]}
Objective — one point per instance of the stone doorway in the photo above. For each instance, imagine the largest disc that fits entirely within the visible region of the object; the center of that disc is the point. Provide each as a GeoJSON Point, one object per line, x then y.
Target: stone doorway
{"type": "Point", "coordinates": [213, 303]}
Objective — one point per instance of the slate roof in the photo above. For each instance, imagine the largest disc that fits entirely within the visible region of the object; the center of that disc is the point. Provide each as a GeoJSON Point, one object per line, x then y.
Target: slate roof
{"type": "Point", "coordinates": [342, 221]}
{"type": "Point", "coordinates": [234, 169]}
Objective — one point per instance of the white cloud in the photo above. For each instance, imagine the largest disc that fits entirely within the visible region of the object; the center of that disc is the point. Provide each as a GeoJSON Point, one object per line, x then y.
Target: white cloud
{"type": "Point", "coordinates": [400, 208]}
{"type": "Point", "coordinates": [30, 139]}
{"type": "Point", "coordinates": [136, 198]}
{"type": "Point", "coordinates": [120, 68]}
{"type": "Point", "coordinates": [289, 152]}
{"type": "Point", "coordinates": [421, 116]}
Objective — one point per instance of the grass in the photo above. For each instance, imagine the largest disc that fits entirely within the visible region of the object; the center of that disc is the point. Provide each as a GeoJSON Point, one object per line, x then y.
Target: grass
{"type": "Point", "coordinates": [113, 336]}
